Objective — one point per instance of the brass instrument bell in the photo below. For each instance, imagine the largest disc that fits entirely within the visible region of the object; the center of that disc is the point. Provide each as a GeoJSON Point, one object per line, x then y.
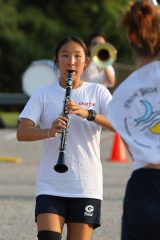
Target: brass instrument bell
{"type": "Point", "coordinates": [103, 54]}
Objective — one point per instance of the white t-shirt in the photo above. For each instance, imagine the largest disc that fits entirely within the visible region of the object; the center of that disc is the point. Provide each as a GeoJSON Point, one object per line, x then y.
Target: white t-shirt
{"type": "Point", "coordinates": [135, 114]}
{"type": "Point", "coordinates": [84, 175]}
{"type": "Point", "coordinates": [95, 75]}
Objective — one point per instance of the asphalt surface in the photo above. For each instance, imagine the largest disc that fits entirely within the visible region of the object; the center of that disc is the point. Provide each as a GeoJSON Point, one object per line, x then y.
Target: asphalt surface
{"type": "Point", "coordinates": [17, 189]}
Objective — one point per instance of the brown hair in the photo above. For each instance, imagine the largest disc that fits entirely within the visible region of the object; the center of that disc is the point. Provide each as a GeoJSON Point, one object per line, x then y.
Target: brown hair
{"type": "Point", "coordinates": [96, 34]}
{"type": "Point", "coordinates": [143, 23]}
{"type": "Point", "coordinates": [70, 39]}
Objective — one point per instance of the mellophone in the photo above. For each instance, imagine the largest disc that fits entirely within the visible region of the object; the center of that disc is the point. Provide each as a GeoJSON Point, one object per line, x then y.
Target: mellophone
{"type": "Point", "coordinates": [61, 166]}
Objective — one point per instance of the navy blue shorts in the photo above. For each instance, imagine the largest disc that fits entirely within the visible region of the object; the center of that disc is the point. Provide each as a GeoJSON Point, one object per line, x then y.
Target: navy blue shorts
{"type": "Point", "coordinates": [141, 210]}
{"type": "Point", "coordinates": [77, 210]}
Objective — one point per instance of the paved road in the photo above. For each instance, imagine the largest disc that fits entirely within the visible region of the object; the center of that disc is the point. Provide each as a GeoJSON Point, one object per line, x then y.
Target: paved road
{"type": "Point", "coordinates": [17, 187]}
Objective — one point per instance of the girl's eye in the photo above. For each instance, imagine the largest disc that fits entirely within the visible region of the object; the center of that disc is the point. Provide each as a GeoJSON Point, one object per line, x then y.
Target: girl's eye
{"type": "Point", "coordinates": [78, 56]}
{"type": "Point", "coordinates": [64, 55]}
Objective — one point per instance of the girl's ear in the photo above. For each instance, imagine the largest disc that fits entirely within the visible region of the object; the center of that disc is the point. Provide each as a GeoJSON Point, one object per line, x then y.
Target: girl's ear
{"type": "Point", "coordinates": [86, 62]}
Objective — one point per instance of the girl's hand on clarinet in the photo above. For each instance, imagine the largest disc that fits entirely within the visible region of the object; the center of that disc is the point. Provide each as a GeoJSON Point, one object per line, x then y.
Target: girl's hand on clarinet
{"type": "Point", "coordinates": [57, 126]}
{"type": "Point", "coordinates": [73, 108]}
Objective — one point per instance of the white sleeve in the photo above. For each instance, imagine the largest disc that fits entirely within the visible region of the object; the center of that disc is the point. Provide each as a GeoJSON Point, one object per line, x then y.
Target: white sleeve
{"type": "Point", "coordinates": [104, 98]}
{"type": "Point", "coordinates": [33, 108]}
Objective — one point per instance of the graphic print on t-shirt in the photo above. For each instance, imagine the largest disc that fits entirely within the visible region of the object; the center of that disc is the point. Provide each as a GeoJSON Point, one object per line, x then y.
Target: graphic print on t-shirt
{"type": "Point", "coordinates": [144, 119]}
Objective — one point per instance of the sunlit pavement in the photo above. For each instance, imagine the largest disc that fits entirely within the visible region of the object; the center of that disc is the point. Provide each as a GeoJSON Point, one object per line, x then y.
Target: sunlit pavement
{"type": "Point", "coordinates": [17, 188]}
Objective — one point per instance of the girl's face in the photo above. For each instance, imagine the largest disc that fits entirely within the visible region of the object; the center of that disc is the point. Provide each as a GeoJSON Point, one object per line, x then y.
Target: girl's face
{"type": "Point", "coordinates": [71, 56]}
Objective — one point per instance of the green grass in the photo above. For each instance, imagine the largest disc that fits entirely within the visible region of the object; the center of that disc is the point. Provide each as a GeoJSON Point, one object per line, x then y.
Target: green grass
{"type": "Point", "coordinates": [10, 119]}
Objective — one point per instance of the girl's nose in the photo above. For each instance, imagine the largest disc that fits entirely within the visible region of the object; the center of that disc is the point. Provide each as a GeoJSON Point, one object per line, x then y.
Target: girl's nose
{"type": "Point", "coordinates": [71, 60]}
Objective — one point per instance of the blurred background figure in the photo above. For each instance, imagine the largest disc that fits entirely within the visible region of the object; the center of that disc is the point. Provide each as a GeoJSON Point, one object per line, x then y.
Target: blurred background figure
{"type": "Point", "coordinates": [104, 75]}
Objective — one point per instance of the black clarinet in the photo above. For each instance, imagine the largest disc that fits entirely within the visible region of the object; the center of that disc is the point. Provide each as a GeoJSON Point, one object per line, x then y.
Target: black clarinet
{"type": "Point", "coordinates": [61, 166]}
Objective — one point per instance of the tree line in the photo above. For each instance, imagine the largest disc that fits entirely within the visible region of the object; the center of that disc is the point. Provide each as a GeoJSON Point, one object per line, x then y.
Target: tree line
{"type": "Point", "coordinates": [30, 29]}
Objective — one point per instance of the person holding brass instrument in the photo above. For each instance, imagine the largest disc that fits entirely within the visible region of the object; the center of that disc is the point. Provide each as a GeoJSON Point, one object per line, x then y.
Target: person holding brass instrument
{"type": "Point", "coordinates": [100, 71]}
{"type": "Point", "coordinates": [134, 112]}
{"type": "Point", "coordinates": [68, 116]}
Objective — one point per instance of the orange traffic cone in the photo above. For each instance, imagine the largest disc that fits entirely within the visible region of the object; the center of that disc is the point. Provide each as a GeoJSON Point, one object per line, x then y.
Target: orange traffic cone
{"type": "Point", "coordinates": [118, 152]}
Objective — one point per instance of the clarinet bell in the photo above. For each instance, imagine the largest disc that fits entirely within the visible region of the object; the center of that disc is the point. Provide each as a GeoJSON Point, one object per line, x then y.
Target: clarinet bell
{"type": "Point", "coordinates": [61, 167]}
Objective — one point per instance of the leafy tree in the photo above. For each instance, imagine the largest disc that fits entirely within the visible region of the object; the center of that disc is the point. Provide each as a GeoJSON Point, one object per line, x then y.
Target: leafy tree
{"type": "Point", "coordinates": [30, 29]}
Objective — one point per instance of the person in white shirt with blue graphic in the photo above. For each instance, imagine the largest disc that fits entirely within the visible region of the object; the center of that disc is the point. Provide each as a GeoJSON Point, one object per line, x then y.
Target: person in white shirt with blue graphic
{"type": "Point", "coordinates": [134, 113]}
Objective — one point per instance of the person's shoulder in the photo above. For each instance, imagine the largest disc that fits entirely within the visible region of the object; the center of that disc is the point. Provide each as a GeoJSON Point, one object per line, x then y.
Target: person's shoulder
{"type": "Point", "coordinates": [88, 84]}
{"type": "Point", "coordinates": [96, 86]}
{"type": "Point", "coordinates": [101, 90]}
{"type": "Point", "coordinates": [138, 76]}
{"type": "Point", "coordinates": [92, 85]}
{"type": "Point", "coordinates": [101, 87]}
{"type": "Point", "coordinates": [132, 77]}
{"type": "Point", "coordinates": [137, 79]}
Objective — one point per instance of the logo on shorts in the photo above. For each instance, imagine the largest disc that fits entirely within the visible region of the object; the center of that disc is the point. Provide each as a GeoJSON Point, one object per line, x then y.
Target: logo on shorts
{"type": "Point", "coordinates": [89, 209]}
